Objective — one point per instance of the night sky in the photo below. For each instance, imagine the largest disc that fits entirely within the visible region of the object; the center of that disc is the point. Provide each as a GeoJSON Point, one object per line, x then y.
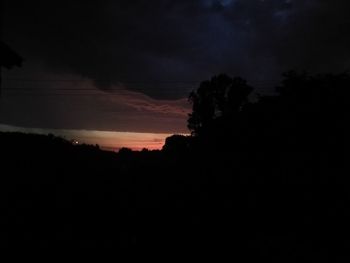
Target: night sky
{"type": "Point", "coordinates": [128, 66]}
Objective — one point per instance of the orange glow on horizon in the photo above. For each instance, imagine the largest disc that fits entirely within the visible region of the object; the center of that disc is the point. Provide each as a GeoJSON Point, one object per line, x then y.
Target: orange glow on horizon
{"type": "Point", "coordinates": [114, 141]}
{"type": "Point", "coordinates": [107, 140]}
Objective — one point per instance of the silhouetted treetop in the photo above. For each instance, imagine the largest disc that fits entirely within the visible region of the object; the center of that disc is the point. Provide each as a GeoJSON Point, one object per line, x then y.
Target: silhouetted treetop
{"type": "Point", "coordinates": [177, 144]}
{"type": "Point", "coordinates": [8, 57]}
{"type": "Point", "coordinates": [220, 97]}
{"type": "Point", "coordinates": [324, 91]}
{"type": "Point", "coordinates": [307, 112]}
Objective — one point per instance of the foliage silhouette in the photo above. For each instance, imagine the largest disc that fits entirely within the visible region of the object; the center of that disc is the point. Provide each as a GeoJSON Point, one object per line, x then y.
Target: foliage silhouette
{"type": "Point", "coordinates": [8, 57]}
{"type": "Point", "coordinates": [177, 144]}
{"type": "Point", "coordinates": [220, 98]}
{"type": "Point", "coordinates": [262, 180]}
{"type": "Point", "coordinates": [306, 112]}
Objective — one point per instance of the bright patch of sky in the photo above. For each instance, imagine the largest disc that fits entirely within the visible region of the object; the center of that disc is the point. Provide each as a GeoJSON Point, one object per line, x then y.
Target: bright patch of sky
{"type": "Point", "coordinates": [107, 140]}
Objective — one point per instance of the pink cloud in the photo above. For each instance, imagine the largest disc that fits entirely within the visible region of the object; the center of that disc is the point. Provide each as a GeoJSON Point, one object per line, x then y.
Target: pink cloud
{"type": "Point", "coordinates": [80, 105]}
{"type": "Point", "coordinates": [143, 103]}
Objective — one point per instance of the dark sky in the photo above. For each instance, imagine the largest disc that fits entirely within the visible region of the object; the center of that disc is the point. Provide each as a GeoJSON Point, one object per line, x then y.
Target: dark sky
{"type": "Point", "coordinates": [157, 51]}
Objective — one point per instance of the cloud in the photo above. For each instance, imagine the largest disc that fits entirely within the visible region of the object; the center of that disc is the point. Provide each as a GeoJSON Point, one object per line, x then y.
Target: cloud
{"type": "Point", "coordinates": [114, 42]}
{"type": "Point", "coordinates": [77, 104]}
{"type": "Point", "coordinates": [142, 103]}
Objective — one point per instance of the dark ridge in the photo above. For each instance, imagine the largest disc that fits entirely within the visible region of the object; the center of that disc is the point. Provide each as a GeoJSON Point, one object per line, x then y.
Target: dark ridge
{"type": "Point", "coordinates": [261, 180]}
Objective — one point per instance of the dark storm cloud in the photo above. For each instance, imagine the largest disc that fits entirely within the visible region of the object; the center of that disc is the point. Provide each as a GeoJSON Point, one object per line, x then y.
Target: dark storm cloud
{"type": "Point", "coordinates": [81, 106]}
{"type": "Point", "coordinates": [161, 40]}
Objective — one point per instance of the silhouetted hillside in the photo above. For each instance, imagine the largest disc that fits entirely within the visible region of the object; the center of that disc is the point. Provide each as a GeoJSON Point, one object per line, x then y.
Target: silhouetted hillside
{"type": "Point", "coordinates": [262, 180]}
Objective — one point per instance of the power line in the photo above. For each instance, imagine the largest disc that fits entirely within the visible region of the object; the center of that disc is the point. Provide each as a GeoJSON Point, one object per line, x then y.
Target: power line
{"type": "Point", "coordinates": [102, 80]}
{"type": "Point", "coordinates": [89, 89]}
{"type": "Point", "coordinates": [168, 87]}
{"type": "Point", "coordinates": [270, 81]}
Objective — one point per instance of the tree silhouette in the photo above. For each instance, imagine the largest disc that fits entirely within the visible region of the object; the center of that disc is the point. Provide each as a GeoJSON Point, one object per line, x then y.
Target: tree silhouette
{"type": "Point", "coordinates": [266, 171]}
{"type": "Point", "coordinates": [176, 144]}
{"type": "Point", "coordinates": [306, 112]}
{"type": "Point", "coordinates": [220, 98]}
{"type": "Point", "coordinates": [8, 58]}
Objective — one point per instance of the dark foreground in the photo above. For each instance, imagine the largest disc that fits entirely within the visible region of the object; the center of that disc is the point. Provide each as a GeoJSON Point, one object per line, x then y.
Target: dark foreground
{"type": "Point", "coordinates": [257, 205]}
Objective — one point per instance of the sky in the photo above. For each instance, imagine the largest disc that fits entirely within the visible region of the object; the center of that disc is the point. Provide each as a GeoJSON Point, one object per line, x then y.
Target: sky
{"type": "Point", "coordinates": [106, 140]}
{"type": "Point", "coordinates": [128, 66]}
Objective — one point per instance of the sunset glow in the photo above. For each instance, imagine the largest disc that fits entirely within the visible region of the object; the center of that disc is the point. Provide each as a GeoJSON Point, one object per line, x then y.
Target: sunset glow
{"type": "Point", "coordinates": [116, 140]}
{"type": "Point", "coordinates": [107, 140]}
